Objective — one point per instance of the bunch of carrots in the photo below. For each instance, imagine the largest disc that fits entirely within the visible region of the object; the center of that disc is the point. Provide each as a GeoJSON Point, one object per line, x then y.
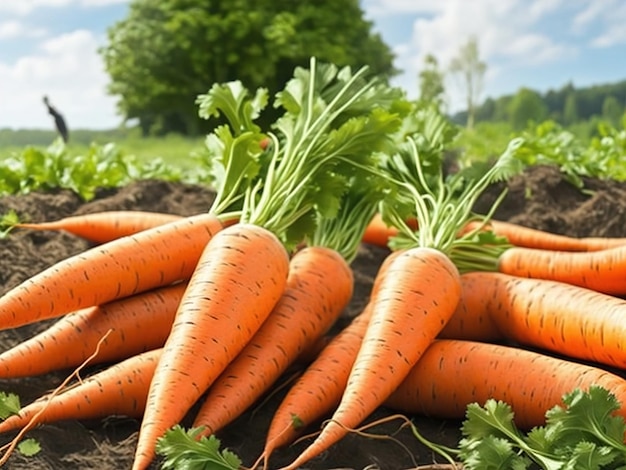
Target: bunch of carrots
{"type": "Point", "coordinates": [238, 294]}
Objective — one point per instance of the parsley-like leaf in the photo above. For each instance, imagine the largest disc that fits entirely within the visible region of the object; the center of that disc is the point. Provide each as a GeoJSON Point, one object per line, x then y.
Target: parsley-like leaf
{"type": "Point", "coordinates": [9, 404]}
{"type": "Point", "coordinates": [29, 447]}
{"type": "Point", "coordinates": [183, 451]}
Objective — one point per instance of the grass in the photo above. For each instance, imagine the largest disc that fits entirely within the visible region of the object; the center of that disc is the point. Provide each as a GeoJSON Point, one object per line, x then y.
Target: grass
{"type": "Point", "coordinates": [174, 150]}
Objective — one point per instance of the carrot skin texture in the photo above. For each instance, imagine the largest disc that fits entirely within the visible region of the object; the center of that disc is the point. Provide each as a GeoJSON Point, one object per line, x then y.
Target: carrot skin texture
{"type": "Point", "coordinates": [454, 373]}
{"type": "Point", "coordinates": [105, 226]}
{"type": "Point", "coordinates": [138, 323]}
{"type": "Point", "coordinates": [519, 235]}
{"type": "Point", "coordinates": [126, 266]}
{"type": "Point", "coordinates": [118, 390]}
{"type": "Point", "coordinates": [472, 320]}
{"type": "Point", "coordinates": [240, 277]}
{"type": "Point", "coordinates": [602, 271]}
{"type": "Point", "coordinates": [570, 320]}
{"type": "Point", "coordinates": [417, 296]}
{"type": "Point", "coordinates": [318, 391]}
{"type": "Point", "coordinates": [319, 287]}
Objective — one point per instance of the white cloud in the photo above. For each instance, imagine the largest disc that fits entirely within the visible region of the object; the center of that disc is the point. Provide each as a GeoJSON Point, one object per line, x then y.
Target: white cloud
{"type": "Point", "coordinates": [611, 17]}
{"type": "Point", "coordinates": [25, 7]}
{"type": "Point", "coordinates": [377, 8]}
{"type": "Point", "coordinates": [505, 30]}
{"type": "Point", "coordinates": [69, 70]}
{"type": "Point", "coordinates": [591, 12]}
{"type": "Point", "coordinates": [16, 29]}
{"type": "Point", "coordinates": [101, 3]}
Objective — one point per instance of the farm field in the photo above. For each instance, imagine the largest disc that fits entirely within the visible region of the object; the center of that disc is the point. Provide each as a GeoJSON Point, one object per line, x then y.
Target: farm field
{"type": "Point", "coordinates": [539, 198]}
{"type": "Point", "coordinates": [173, 149]}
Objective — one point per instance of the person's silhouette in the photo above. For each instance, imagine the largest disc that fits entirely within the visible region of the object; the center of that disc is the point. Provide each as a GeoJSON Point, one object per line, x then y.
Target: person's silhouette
{"type": "Point", "coordinates": [58, 120]}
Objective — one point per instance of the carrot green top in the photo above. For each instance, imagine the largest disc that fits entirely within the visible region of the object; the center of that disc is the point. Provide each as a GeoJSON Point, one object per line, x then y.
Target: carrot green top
{"type": "Point", "coordinates": [344, 231]}
{"type": "Point", "coordinates": [235, 150]}
{"type": "Point", "coordinates": [442, 206]}
{"type": "Point", "coordinates": [332, 119]}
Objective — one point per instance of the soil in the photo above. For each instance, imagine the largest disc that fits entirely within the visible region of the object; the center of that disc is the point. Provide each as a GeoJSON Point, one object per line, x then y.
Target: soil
{"type": "Point", "coordinates": [539, 198]}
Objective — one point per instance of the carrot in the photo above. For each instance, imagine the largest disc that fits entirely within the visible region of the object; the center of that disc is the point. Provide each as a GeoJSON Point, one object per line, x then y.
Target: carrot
{"type": "Point", "coordinates": [519, 235]}
{"type": "Point", "coordinates": [118, 390]}
{"type": "Point", "coordinates": [318, 391]}
{"type": "Point", "coordinates": [471, 319]}
{"type": "Point", "coordinates": [319, 287]}
{"type": "Point", "coordinates": [378, 232]}
{"type": "Point", "coordinates": [570, 320]}
{"type": "Point", "coordinates": [102, 227]}
{"type": "Point", "coordinates": [602, 271]}
{"type": "Point", "coordinates": [152, 258]}
{"type": "Point", "coordinates": [454, 373]}
{"type": "Point", "coordinates": [237, 282]}
{"type": "Point", "coordinates": [415, 299]}
{"type": "Point", "coordinates": [138, 323]}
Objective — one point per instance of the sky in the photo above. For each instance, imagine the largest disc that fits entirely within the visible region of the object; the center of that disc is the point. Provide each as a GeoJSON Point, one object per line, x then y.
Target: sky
{"type": "Point", "coordinates": [50, 47]}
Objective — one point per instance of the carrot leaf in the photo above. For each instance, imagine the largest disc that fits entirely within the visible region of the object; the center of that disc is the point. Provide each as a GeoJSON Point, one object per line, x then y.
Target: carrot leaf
{"type": "Point", "coordinates": [343, 231]}
{"type": "Point", "coordinates": [233, 101]}
{"type": "Point", "coordinates": [234, 149]}
{"type": "Point", "coordinates": [29, 447]}
{"type": "Point", "coordinates": [183, 450]}
{"type": "Point", "coordinates": [9, 404]}
{"type": "Point", "coordinates": [8, 222]}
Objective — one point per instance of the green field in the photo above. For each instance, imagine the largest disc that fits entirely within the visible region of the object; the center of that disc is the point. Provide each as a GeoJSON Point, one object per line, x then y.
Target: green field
{"type": "Point", "coordinates": [174, 150]}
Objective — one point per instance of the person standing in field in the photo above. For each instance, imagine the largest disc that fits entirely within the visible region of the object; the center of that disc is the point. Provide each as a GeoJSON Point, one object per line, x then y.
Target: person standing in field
{"type": "Point", "coordinates": [59, 121]}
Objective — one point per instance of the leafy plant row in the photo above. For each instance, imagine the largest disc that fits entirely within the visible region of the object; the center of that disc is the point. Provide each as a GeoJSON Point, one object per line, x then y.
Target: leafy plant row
{"type": "Point", "coordinates": [548, 143]}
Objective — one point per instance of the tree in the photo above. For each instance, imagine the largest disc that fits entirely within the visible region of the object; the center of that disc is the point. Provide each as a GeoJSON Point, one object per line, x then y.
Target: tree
{"type": "Point", "coordinates": [164, 54]}
{"type": "Point", "coordinates": [570, 110]}
{"type": "Point", "coordinates": [527, 105]}
{"type": "Point", "coordinates": [612, 111]}
{"type": "Point", "coordinates": [431, 86]}
{"type": "Point", "coordinates": [472, 70]}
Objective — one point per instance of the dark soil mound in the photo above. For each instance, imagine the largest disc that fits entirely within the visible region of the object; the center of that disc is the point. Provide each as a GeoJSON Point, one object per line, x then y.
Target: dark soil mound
{"type": "Point", "coordinates": [540, 198]}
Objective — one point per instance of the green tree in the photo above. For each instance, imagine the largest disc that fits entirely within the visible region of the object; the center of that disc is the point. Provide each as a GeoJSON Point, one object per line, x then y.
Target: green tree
{"type": "Point", "coordinates": [431, 85]}
{"type": "Point", "coordinates": [570, 110]}
{"type": "Point", "coordinates": [527, 105]}
{"type": "Point", "coordinates": [612, 111]}
{"type": "Point", "coordinates": [471, 69]}
{"type": "Point", "coordinates": [164, 54]}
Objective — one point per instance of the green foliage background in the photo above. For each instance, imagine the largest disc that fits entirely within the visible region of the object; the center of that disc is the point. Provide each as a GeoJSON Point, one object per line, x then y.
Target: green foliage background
{"type": "Point", "coordinates": [166, 53]}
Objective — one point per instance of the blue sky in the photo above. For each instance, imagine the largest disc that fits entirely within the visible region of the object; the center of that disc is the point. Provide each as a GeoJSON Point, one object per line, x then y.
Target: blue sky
{"type": "Point", "coordinates": [50, 47]}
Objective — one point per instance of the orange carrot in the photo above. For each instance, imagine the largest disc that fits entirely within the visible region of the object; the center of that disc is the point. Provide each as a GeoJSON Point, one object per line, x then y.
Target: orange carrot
{"type": "Point", "coordinates": [378, 232]}
{"type": "Point", "coordinates": [453, 373]}
{"type": "Point", "coordinates": [152, 258]}
{"type": "Point", "coordinates": [101, 227]}
{"type": "Point", "coordinates": [318, 288]}
{"type": "Point", "coordinates": [570, 320]}
{"type": "Point", "coordinates": [415, 299]}
{"type": "Point", "coordinates": [519, 235]}
{"type": "Point", "coordinates": [602, 271]}
{"type": "Point", "coordinates": [118, 390]}
{"type": "Point", "coordinates": [239, 279]}
{"type": "Point", "coordinates": [138, 323]}
{"type": "Point", "coordinates": [318, 391]}
{"type": "Point", "coordinates": [471, 319]}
